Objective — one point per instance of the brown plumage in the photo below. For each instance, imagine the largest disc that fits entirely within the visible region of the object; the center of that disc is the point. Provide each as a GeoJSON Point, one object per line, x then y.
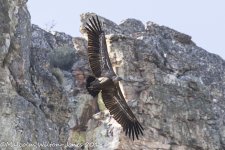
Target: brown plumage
{"type": "Point", "coordinates": [106, 81]}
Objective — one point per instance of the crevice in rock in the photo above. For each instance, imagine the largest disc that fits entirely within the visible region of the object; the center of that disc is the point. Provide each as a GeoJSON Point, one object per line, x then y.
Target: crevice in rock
{"type": "Point", "coordinates": [181, 72]}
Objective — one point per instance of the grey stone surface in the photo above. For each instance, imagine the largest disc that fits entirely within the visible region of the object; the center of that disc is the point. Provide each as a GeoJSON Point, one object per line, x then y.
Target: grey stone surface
{"type": "Point", "coordinates": [175, 88]}
{"type": "Point", "coordinates": [130, 26]}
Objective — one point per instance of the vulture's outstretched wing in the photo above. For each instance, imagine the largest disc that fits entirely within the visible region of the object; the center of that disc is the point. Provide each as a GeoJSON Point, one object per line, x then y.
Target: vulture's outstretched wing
{"type": "Point", "coordinates": [97, 49]}
{"type": "Point", "coordinates": [115, 102]}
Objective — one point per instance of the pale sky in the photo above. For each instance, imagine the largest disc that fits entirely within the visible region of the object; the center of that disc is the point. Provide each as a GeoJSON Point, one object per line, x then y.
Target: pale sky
{"type": "Point", "coordinates": [204, 20]}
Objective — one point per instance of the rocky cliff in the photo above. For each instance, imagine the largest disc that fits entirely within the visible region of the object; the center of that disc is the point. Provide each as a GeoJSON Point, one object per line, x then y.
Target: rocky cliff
{"type": "Point", "coordinates": [175, 88]}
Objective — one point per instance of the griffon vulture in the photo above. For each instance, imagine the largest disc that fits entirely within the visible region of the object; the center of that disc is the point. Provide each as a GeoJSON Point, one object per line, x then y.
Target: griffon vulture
{"type": "Point", "coordinates": [105, 80]}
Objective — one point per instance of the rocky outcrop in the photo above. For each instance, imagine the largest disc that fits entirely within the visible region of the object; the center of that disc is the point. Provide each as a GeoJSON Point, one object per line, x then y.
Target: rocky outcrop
{"type": "Point", "coordinates": [175, 88]}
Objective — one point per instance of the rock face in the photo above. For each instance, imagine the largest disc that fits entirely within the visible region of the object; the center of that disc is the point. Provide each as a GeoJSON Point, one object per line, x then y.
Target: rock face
{"type": "Point", "coordinates": [175, 88]}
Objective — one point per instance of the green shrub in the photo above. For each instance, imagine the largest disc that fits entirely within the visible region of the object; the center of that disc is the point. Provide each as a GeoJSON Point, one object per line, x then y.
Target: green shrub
{"type": "Point", "coordinates": [62, 58]}
{"type": "Point", "coordinates": [58, 74]}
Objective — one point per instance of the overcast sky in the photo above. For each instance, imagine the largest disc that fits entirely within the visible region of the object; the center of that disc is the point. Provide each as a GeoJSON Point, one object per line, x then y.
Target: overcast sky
{"type": "Point", "coordinates": [204, 20]}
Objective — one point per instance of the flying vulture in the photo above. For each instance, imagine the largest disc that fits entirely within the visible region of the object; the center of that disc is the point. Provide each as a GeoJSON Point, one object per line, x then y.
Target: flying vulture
{"type": "Point", "coordinates": [105, 80]}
